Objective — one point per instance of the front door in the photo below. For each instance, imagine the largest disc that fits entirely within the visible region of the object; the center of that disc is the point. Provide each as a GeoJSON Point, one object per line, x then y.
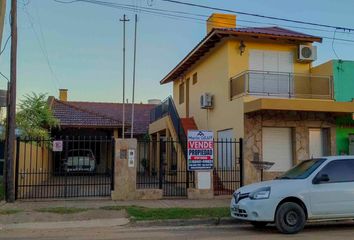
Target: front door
{"type": "Point", "coordinates": [318, 142]}
{"type": "Point", "coordinates": [334, 198]}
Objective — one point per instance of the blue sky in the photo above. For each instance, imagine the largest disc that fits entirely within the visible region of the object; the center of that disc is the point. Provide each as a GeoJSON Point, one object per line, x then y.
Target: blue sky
{"type": "Point", "coordinates": [83, 43]}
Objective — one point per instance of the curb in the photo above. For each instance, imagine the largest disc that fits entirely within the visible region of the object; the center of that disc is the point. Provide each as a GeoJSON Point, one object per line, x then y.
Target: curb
{"type": "Point", "coordinates": [115, 222]}
{"type": "Point", "coordinates": [186, 222]}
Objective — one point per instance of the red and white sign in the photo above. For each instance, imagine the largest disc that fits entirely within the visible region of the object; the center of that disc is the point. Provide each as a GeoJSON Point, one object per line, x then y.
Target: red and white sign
{"type": "Point", "coordinates": [57, 146]}
{"type": "Point", "coordinates": [200, 150]}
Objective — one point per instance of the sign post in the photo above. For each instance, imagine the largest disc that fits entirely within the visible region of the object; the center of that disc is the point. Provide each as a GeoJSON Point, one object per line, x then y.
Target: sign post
{"type": "Point", "coordinates": [200, 150]}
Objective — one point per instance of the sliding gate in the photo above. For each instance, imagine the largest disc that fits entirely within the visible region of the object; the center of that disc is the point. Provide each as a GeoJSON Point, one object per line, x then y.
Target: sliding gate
{"type": "Point", "coordinates": [64, 167]}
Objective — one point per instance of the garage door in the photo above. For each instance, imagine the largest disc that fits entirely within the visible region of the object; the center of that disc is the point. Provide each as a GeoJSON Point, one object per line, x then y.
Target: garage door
{"type": "Point", "coordinates": [277, 148]}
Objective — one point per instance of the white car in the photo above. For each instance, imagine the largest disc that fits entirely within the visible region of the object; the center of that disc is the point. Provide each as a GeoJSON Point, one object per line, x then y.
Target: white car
{"type": "Point", "coordinates": [80, 160]}
{"type": "Point", "coordinates": [315, 189]}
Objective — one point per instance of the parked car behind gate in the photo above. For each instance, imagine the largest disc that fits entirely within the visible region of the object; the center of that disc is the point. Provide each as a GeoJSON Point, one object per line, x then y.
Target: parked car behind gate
{"type": "Point", "coordinates": [315, 189]}
{"type": "Point", "coordinates": [80, 160]}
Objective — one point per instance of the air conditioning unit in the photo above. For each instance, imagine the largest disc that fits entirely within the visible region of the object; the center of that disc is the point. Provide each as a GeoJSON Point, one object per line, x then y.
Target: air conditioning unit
{"type": "Point", "coordinates": [206, 101]}
{"type": "Point", "coordinates": [307, 53]}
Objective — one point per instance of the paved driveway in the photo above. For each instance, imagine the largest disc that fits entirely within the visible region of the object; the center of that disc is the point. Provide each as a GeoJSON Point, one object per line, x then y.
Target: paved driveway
{"type": "Point", "coordinates": [67, 186]}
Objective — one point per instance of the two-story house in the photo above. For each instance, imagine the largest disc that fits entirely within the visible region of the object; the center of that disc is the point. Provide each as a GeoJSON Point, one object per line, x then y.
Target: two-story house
{"type": "Point", "coordinates": [263, 90]}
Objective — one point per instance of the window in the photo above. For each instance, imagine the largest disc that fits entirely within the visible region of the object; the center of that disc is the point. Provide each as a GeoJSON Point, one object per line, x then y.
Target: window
{"type": "Point", "coordinates": [181, 93]}
{"type": "Point", "coordinates": [195, 78]}
{"type": "Point", "coordinates": [339, 171]}
{"type": "Point", "coordinates": [303, 169]}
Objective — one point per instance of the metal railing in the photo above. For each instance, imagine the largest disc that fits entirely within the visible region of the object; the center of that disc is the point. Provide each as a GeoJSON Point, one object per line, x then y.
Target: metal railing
{"type": "Point", "coordinates": [167, 107]}
{"type": "Point", "coordinates": [281, 84]}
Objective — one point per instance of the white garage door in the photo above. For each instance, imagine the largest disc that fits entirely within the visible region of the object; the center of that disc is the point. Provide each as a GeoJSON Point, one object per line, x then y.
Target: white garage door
{"type": "Point", "coordinates": [277, 148]}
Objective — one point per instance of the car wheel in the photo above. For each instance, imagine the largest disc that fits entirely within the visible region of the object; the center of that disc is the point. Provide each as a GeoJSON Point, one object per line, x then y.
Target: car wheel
{"type": "Point", "coordinates": [290, 218]}
{"type": "Point", "coordinates": [259, 224]}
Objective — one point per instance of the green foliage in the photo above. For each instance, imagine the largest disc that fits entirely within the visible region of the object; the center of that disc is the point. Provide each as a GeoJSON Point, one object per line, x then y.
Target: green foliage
{"type": "Point", "coordinates": [142, 213]}
{"type": "Point", "coordinates": [9, 211]}
{"type": "Point", "coordinates": [34, 117]}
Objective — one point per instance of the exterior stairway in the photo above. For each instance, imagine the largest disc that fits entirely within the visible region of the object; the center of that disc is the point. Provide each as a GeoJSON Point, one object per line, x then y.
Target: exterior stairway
{"type": "Point", "coordinates": [188, 124]}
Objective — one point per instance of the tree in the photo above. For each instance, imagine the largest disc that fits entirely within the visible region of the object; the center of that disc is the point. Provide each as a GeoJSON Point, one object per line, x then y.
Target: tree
{"type": "Point", "coordinates": [34, 118]}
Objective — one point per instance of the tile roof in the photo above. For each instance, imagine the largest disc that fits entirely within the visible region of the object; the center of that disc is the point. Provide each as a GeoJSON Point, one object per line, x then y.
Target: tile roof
{"type": "Point", "coordinates": [273, 31]}
{"type": "Point", "coordinates": [215, 36]}
{"type": "Point", "coordinates": [101, 114]}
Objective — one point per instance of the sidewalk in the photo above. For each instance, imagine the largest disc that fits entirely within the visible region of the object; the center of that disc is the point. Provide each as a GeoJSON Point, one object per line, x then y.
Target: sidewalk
{"type": "Point", "coordinates": [97, 203]}
{"type": "Point", "coordinates": [26, 212]}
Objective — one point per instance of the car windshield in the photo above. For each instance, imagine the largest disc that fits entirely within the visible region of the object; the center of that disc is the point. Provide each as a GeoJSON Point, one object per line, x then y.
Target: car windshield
{"type": "Point", "coordinates": [303, 169]}
{"type": "Point", "coordinates": [80, 152]}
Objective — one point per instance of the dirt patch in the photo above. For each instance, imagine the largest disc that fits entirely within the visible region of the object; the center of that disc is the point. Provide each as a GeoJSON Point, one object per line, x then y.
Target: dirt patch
{"type": "Point", "coordinates": [33, 216]}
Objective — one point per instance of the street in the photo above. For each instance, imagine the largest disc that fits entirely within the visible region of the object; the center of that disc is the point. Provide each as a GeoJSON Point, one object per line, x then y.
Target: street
{"type": "Point", "coordinates": [243, 231]}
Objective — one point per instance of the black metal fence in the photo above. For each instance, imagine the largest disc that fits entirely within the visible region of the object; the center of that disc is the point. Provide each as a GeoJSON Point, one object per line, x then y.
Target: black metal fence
{"type": "Point", "coordinates": [162, 165]}
{"type": "Point", "coordinates": [228, 166]}
{"type": "Point", "coordinates": [64, 167]}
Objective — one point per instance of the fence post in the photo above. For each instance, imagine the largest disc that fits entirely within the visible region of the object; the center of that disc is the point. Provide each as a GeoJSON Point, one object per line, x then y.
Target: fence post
{"type": "Point", "coordinates": [161, 174]}
{"type": "Point", "coordinates": [241, 161]}
{"type": "Point", "coordinates": [17, 166]}
{"type": "Point", "coordinates": [113, 142]}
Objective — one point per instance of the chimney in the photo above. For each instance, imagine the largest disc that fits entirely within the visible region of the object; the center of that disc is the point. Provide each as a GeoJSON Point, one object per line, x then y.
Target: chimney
{"type": "Point", "coordinates": [221, 20]}
{"type": "Point", "coordinates": [63, 95]}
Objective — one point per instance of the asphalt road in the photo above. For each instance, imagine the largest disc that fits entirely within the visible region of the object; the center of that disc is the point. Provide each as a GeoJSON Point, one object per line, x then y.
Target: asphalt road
{"type": "Point", "coordinates": [318, 231]}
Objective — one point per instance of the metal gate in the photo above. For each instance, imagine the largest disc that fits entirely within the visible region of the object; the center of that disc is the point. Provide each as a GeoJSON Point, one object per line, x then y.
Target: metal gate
{"type": "Point", "coordinates": [162, 165]}
{"type": "Point", "coordinates": [64, 167]}
{"type": "Point", "coordinates": [228, 166]}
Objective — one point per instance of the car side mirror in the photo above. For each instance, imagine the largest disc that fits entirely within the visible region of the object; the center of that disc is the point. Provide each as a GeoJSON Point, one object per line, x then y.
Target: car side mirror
{"type": "Point", "coordinates": [321, 178]}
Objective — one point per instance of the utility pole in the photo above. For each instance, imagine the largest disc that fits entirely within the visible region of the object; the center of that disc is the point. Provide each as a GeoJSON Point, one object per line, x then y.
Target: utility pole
{"type": "Point", "coordinates": [124, 20]}
{"type": "Point", "coordinates": [134, 70]}
{"type": "Point", "coordinates": [11, 118]}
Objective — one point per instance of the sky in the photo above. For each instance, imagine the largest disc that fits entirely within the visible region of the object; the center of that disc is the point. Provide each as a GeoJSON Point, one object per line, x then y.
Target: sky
{"type": "Point", "coordinates": [78, 46]}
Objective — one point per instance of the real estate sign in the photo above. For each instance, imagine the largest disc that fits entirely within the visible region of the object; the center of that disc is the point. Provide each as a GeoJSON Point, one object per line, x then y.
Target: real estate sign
{"type": "Point", "coordinates": [200, 150]}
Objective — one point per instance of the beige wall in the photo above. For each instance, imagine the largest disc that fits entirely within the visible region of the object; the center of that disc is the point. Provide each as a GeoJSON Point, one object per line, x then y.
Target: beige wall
{"type": "Point", "coordinates": [35, 166]}
{"type": "Point", "coordinates": [214, 72]}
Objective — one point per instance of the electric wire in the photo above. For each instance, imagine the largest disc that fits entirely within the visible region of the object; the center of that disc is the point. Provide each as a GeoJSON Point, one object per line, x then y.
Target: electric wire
{"type": "Point", "coordinates": [167, 13]}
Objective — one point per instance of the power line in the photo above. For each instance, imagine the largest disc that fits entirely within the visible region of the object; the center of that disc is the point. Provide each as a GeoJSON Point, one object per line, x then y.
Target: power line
{"type": "Point", "coordinates": [259, 15]}
{"type": "Point", "coordinates": [167, 13]}
{"type": "Point", "coordinates": [7, 40]}
{"type": "Point", "coordinates": [42, 48]}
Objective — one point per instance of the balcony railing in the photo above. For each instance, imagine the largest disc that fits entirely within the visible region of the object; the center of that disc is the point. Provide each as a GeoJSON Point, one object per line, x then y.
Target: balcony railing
{"type": "Point", "coordinates": [279, 84]}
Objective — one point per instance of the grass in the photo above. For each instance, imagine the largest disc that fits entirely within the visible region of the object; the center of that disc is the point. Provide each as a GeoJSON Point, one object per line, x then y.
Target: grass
{"type": "Point", "coordinates": [2, 189]}
{"type": "Point", "coordinates": [62, 210]}
{"type": "Point", "coordinates": [9, 211]}
{"type": "Point", "coordinates": [141, 213]}
{"type": "Point", "coordinates": [114, 208]}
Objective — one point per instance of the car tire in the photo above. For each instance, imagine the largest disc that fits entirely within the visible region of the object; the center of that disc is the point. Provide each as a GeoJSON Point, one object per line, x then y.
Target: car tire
{"type": "Point", "coordinates": [290, 218]}
{"type": "Point", "coordinates": [259, 224]}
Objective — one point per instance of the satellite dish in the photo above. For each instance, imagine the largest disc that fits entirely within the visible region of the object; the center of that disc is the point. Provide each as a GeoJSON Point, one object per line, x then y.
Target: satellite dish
{"type": "Point", "coordinates": [3, 98]}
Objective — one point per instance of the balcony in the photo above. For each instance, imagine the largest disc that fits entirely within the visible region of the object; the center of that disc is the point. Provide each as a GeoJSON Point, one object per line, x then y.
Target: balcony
{"type": "Point", "coordinates": [280, 84]}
